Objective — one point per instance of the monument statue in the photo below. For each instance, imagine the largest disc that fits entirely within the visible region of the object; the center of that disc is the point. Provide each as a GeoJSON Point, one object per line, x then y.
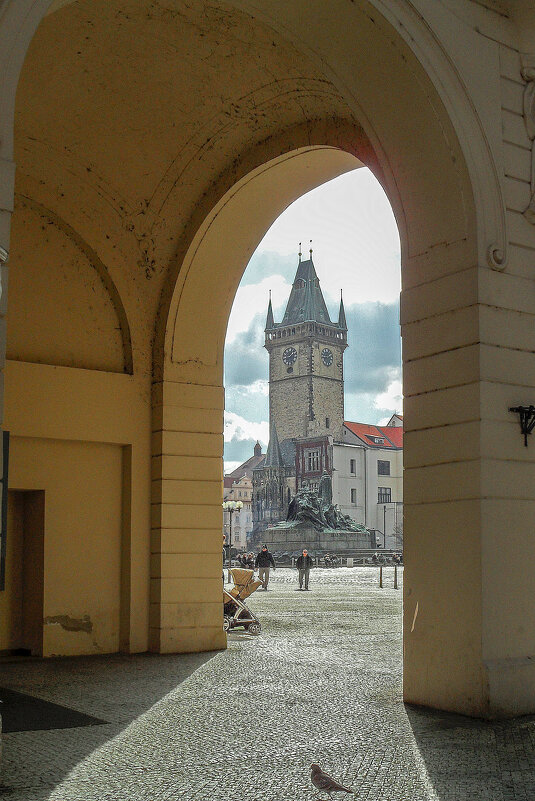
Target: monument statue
{"type": "Point", "coordinates": [315, 510]}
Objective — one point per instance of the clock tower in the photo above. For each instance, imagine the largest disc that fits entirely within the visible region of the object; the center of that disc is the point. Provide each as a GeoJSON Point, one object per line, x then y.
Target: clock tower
{"type": "Point", "coordinates": [306, 372]}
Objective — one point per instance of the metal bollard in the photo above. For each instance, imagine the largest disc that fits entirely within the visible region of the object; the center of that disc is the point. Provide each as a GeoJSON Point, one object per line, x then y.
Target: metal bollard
{"type": "Point", "coordinates": [395, 577]}
{"type": "Point", "coordinates": [381, 577]}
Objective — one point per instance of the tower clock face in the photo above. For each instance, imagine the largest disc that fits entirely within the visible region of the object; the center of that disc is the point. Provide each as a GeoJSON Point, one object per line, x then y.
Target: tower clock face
{"type": "Point", "coordinates": [289, 356]}
{"type": "Point", "coordinates": [327, 357]}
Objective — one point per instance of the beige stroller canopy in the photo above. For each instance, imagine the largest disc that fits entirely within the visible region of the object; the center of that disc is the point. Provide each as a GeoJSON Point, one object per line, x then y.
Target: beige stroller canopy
{"type": "Point", "coordinates": [244, 582]}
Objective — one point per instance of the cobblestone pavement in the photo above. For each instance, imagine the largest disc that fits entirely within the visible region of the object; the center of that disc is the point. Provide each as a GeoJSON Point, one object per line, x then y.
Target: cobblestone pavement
{"type": "Point", "coordinates": [322, 683]}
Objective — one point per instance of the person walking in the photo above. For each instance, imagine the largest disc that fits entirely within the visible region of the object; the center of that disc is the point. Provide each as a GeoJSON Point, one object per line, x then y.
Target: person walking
{"type": "Point", "coordinates": [264, 561]}
{"type": "Point", "coordinates": [303, 564]}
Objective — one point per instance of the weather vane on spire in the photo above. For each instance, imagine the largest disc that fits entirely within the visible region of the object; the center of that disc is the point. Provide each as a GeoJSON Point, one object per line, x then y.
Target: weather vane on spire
{"type": "Point", "coordinates": [310, 248]}
{"type": "Point", "coordinates": [300, 254]}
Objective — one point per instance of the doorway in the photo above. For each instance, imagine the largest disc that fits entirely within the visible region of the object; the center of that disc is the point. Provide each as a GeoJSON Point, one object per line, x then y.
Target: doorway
{"type": "Point", "coordinates": [21, 601]}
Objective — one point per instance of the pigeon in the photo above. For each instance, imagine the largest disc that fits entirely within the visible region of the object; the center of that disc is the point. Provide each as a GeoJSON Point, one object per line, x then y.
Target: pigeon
{"type": "Point", "coordinates": [325, 782]}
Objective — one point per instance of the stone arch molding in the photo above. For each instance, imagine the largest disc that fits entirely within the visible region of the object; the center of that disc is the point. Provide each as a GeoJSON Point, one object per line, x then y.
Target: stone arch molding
{"type": "Point", "coordinates": [118, 327]}
{"type": "Point", "coordinates": [257, 200]}
{"type": "Point", "coordinates": [20, 18]}
{"type": "Point", "coordinates": [404, 25]}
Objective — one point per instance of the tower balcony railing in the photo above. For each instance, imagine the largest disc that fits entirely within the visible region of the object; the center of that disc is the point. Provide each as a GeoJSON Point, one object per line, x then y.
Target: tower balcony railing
{"type": "Point", "coordinates": [306, 329]}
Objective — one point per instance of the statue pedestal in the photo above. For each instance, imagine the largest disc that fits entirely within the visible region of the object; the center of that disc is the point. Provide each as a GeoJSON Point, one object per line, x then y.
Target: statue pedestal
{"type": "Point", "coordinates": [295, 538]}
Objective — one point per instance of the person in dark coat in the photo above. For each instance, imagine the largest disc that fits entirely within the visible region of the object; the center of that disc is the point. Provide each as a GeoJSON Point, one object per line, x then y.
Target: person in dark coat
{"type": "Point", "coordinates": [303, 564]}
{"type": "Point", "coordinates": [264, 561]}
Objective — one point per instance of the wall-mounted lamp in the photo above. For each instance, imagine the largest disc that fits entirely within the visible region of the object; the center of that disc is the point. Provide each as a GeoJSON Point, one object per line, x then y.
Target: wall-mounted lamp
{"type": "Point", "coordinates": [527, 419]}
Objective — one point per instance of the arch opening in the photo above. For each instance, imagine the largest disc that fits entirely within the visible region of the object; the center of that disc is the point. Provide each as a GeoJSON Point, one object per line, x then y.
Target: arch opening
{"type": "Point", "coordinates": [168, 210]}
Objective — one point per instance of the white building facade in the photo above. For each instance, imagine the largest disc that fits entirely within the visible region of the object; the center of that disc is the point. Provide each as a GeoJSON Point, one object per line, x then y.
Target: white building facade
{"type": "Point", "coordinates": [242, 520]}
{"type": "Point", "coordinates": [368, 478]}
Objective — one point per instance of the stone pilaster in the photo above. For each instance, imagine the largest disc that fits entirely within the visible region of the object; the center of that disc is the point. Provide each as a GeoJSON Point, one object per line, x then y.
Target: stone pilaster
{"type": "Point", "coordinates": [186, 560]}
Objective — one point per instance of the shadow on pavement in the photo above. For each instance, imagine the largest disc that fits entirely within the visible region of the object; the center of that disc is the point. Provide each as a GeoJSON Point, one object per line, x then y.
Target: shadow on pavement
{"type": "Point", "coordinates": [116, 689]}
{"type": "Point", "coordinates": [473, 758]}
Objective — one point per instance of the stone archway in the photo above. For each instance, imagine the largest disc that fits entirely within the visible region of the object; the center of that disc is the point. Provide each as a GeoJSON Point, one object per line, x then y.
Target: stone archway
{"type": "Point", "coordinates": [368, 79]}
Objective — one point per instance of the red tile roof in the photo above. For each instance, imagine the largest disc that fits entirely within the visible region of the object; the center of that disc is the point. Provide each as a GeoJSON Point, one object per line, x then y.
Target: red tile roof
{"type": "Point", "coordinates": [392, 435]}
{"type": "Point", "coordinates": [395, 435]}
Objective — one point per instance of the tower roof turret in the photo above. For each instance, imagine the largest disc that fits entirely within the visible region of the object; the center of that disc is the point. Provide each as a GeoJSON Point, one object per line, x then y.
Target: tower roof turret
{"type": "Point", "coordinates": [306, 299]}
{"type": "Point", "coordinates": [270, 323]}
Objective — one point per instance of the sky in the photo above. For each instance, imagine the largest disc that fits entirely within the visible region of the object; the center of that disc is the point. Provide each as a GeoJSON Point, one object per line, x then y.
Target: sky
{"type": "Point", "coordinates": [356, 249]}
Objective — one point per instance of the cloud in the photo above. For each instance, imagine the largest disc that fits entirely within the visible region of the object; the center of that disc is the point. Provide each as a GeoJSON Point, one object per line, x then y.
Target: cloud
{"type": "Point", "coordinates": [249, 402]}
{"type": "Point", "coordinates": [252, 300]}
{"type": "Point", "coordinates": [241, 436]}
{"type": "Point", "coordinates": [245, 356]}
{"type": "Point", "coordinates": [266, 263]}
{"type": "Point", "coordinates": [372, 360]}
{"type": "Point", "coordinates": [392, 398]}
{"type": "Point", "coordinates": [355, 239]}
{"type": "Point", "coordinates": [237, 428]}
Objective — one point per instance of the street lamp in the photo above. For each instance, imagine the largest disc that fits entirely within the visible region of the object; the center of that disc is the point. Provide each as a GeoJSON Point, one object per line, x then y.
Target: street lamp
{"type": "Point", "coordinates": [231, 507]}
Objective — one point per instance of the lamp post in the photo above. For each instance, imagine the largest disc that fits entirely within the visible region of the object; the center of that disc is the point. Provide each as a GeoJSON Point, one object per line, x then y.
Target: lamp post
{"type": "Point", "coordinates": [231, 507]}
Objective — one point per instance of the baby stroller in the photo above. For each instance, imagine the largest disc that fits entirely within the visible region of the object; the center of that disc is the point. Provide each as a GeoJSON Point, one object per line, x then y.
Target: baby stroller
{"type": "Point", "coordinates": [236, 613]}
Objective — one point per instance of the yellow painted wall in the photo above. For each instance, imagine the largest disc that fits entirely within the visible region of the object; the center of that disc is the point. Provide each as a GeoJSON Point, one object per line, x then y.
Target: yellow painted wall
{"type": "Point", "coordinates": [74, 438]}
{"type": "Point", "coordinates": [82, 486]}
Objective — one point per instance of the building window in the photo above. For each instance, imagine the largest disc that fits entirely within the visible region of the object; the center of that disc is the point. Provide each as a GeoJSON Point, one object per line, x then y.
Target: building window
{"type": "Point", "coordinates": [312, 461]}
{"type": "Point", "coordinates": [327, 423]}
{"type": "Point", "coordinates": [383, 468]}
{"type": "Point", "coordinates": [353, 495]}
{"type": "Point", "coordinates": [353, 466]}
{"type": "Point", "coordinates": [384, 495]}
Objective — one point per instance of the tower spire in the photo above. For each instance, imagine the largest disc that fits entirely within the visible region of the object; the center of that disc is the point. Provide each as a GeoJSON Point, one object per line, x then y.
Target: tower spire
{"type": "Point", "coordinates": [342, 315]}
{"type": "Point", "coordinates": [273, 454]}
{"type": "Point", "coordinates": [270, 322]}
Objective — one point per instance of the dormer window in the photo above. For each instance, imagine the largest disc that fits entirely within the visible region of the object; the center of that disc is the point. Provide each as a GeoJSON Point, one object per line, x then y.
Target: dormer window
{"type": "Point", "coordinates": [376, 440]}
{"type": "Point", "coordinates": [299, 284]}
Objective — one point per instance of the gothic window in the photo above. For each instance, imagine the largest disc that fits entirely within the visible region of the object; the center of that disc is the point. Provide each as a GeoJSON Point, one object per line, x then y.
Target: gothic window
{"type": "Point", "coordinates": [312, 461]}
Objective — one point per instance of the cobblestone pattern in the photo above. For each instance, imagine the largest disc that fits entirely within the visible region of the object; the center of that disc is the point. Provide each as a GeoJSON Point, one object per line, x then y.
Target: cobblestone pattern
{"type": "Point", "coordinates": [321, 684]}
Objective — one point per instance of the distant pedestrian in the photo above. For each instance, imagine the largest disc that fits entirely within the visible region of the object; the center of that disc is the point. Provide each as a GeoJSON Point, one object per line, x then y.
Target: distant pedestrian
{"type": "Point", "coordinates": [303, 564]}
{"type": "Point", "coordinates": [250, 561]}
{"type": "Point", "coordinates": [264, 561]}
{"type": "Point", "coordinates": [224, 555]}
